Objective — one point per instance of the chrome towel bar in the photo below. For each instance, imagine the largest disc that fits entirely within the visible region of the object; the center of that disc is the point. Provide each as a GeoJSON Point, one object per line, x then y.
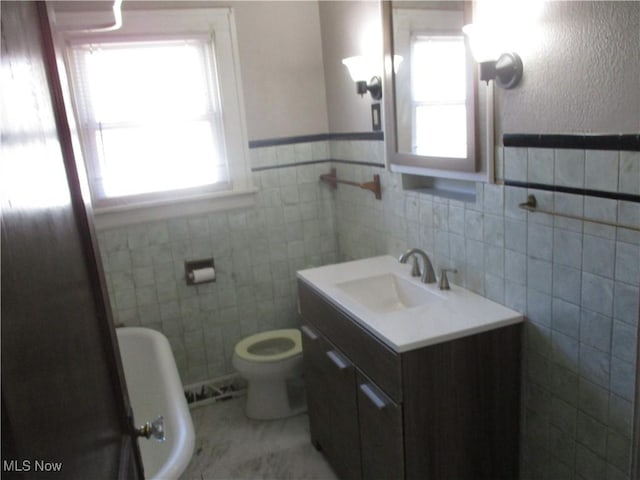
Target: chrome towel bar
{"type": "Point", "coordinates": [531, 205]}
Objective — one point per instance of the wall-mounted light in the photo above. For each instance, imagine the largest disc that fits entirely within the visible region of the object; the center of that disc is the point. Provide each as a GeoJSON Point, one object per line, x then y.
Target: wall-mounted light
{"type": "Point", "coordinates": [362, 68]}
{"type": "Point", "coordinates": [505, 68]}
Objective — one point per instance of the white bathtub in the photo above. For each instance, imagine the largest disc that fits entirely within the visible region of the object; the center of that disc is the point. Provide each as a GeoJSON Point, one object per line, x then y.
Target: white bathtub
{"type": "Point", "coordinates": [155, 389]}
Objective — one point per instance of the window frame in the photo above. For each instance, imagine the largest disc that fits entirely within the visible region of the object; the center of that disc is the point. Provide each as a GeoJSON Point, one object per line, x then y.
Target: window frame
{"type": "Point", "coordinates": [170, 24]}
{"type": "Point", "coordinates": [398, 26]}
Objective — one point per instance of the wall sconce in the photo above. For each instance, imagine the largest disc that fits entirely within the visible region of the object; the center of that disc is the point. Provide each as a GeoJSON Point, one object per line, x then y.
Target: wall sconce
{"type": "Point", "coordinates": [361, 68]}
{"type": "Point", "coordinates": [505, 68]}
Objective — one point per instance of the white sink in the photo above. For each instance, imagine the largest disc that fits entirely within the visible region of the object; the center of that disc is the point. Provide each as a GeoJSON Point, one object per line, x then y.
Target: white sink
{"type": "Point", "coordinates": [380, 294]}
{"type": "Point", "coordinates": [387, 293]}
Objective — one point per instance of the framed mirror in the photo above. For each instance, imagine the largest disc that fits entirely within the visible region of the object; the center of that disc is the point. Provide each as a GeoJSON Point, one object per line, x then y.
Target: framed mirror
{"type": "Point", "coordinates": [431, 88]}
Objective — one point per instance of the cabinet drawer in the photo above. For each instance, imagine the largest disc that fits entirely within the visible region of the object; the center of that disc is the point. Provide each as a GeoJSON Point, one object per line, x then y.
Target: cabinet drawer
{"type": "Point", "coordinates": [375, 359]}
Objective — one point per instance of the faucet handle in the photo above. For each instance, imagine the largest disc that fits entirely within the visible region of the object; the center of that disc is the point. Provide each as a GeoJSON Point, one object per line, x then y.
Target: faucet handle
{"type": "Point", "coordinates": [153, 429]}
{"type": "Point", "coordinates": [443, 284]}
{"type": "Point", "coordinates": [415, 267]}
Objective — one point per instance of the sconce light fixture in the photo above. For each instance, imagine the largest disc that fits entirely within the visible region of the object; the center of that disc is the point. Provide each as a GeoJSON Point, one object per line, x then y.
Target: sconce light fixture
{"type": "Point", "coordinates": [505, 68]}
{"type": "Point", "coordinates": [361, 68]}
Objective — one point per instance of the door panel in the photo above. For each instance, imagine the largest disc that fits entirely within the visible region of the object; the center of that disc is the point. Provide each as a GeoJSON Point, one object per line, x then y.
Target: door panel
{"type": "Point", "coordinates": [344, 449]}
{"type": "Point", "coordinates": [330, 381]}
{"type": "Point", "coordinates": [315, 379]}
{"type": "Point", "coordinates": [63, 392]}
{"type": "Point", "coordinates": [381, 437]}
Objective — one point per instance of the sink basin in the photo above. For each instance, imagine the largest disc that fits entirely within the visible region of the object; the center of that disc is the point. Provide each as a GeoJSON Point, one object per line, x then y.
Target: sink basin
{"type": "Point", "coordinates": [404, 313]}
{"type": "Point", "coordinates": [387, 293]}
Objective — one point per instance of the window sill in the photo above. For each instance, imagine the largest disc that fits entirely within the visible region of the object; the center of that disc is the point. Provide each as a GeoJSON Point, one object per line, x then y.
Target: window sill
{"type": "Point", "coordinates": [111, 217]}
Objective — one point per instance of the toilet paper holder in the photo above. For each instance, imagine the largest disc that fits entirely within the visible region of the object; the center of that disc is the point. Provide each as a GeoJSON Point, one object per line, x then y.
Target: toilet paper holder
{"type": "Point", "coordinates": [190, 266]}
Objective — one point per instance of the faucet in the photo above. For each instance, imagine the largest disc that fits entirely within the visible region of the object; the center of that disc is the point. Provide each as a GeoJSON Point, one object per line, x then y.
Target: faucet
{"type": "Point", "coordinates": [428, 275]}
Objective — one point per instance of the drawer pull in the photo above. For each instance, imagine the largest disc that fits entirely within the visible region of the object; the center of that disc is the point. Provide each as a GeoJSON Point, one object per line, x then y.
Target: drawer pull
{"type": "Point", "coordinates": [338, 360]}
{"type": "Point", "coordinates": [373, 396]}
{"type": "Point", "coordinates": [309, 333]}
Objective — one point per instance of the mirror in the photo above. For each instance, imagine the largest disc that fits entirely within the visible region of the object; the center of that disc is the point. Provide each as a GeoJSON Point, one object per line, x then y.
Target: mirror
{"type": "Point", "coordinates": [431, 87]}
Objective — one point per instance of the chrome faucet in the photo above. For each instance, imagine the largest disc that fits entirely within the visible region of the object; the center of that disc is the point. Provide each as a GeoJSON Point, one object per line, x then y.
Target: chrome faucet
{"type": "Point", "coordinates": [428, 275]}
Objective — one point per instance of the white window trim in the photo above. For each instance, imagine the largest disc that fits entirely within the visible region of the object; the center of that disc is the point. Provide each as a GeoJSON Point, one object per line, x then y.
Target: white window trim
{"type": "Point", "coordinates": [219, 22]}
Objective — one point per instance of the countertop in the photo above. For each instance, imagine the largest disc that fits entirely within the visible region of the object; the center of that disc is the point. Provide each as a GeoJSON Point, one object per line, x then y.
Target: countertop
{"type": "Point", "coordinates": [452, 314]}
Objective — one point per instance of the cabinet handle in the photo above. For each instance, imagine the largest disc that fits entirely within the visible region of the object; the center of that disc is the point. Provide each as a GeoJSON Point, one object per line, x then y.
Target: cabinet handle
{"type": "Point", "coordinates": [375, 398]}
{"type": "Point", "coordinates": [338, 360]}
{"type": "Point", "coordinates": [309, 333]}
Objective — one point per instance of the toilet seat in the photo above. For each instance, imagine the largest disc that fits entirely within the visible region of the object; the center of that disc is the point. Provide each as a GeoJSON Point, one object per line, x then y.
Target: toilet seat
{"type": "Point", "coordinates": [291, 342]}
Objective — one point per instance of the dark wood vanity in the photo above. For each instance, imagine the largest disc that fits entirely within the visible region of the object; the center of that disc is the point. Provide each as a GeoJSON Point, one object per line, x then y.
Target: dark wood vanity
{"type": "Point", "coordinates": [444, 411]}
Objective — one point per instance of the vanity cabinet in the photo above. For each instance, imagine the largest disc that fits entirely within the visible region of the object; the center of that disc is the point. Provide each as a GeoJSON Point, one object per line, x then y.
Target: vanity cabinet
{"type": "Point", "coordinates": [449, 410]}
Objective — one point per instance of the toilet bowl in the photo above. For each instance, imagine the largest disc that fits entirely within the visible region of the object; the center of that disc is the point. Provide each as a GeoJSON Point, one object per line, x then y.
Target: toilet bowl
{"type": "Point", "coordinates": [271, 363]}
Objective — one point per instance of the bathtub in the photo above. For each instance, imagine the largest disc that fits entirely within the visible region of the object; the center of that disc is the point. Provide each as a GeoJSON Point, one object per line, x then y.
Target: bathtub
{"type": "Point", "coordinates": [155, 389]}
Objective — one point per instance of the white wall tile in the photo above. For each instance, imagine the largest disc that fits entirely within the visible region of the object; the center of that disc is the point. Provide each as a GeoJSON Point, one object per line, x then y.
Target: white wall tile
{"type": "Point", "coordinates": [515, 235]}
{"type": "Point", "coordinates": [629, 175]}
{"type": "Point", "coordinates": [569, 168]}
{"type": "Point", "coordinates": [597, 293]}
{"type": "Point", "coordinates": [567, 248]}
{"type": "Point", "coordinates": [598, 256]}
{"type": "Point", "coordinates": [515, 164]}
{"type": "Point", "coordinates": [539, 275]}
{"type": "Point", "coordinates": [567, 283]}
{"type": "Point", "coordinates": [515, 267]}
{"type": "Point", "coordinates": [540, 242]}
{"type": "Point", "coordinates": [540, 165]}
{"type": "Point", "coordinates": [565, 318]}
{"type": "Point", "coordinates": [601, 170]}
{"type": "Point", "coordinates": [596, 330]}
{"type": "Point", "coordinates": [627, 268]}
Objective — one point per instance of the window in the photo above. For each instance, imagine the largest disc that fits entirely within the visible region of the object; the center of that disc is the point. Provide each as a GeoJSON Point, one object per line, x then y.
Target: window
{"type": "Point", "coordinates": [158, 108]}
{"type": "Point", "coordinates": [439, 101]}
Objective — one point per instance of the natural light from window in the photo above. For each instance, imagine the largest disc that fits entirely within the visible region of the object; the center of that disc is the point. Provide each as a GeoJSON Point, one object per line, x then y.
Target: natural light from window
{"type": "Point", "coordinates": [438, 87]}
{"type": "Point", "coordinates": [152, 115]}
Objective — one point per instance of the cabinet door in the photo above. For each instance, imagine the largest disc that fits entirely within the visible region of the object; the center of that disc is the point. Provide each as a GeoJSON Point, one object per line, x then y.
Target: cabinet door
{"type": "Point", "coordinates": [343, 450]}
{"type": "Point", "coordinates": [330, 381]}
{"type": "Point", "coordinates": [316, 380]}
{"type": "Point", "coordinates": [381, 437]}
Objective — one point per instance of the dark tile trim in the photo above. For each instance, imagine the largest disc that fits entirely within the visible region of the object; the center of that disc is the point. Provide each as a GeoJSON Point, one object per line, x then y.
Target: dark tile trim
{"type": "Point", "coordinates": [627, 197]}
{"type": "Point", "coordinates": [313, 162]}
{"type": "Point", "coordinates": [271, 142]}
{"type": "Point", "coordinates": [287, 165]}
{"type": "Point", "coordinates": [357, 136]}
{"type": "Point", "coordinates": [630, 142]}
{"type": "Point", "coordinates": [358, 162]}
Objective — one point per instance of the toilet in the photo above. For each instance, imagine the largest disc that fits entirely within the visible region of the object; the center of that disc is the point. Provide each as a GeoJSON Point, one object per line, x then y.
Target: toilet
{"type": "Point", "coordinates": [271, 363]}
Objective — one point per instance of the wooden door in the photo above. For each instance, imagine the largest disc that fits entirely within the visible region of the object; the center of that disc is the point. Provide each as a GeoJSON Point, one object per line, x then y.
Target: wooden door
{"type": "Point", "coordinates": [64, 402]}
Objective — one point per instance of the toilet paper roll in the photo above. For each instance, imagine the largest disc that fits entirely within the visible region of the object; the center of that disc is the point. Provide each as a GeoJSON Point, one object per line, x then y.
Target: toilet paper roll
{"type": "Point", "coordinates": [203, 275]}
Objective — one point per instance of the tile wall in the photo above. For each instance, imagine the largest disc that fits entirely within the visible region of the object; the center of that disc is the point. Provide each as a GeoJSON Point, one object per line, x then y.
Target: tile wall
{"type": "Point", "coordinates": [577, 282]}
{"type": "Point", "coordinates": [256, 253]}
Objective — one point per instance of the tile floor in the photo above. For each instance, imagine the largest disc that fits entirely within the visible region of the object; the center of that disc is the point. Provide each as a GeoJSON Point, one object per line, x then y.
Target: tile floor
{"type": "Point", "coordinates": [231, 446]}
